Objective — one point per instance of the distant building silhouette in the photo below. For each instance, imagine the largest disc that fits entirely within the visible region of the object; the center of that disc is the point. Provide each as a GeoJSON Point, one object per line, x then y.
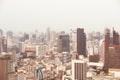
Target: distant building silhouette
{"type": "Point", "coordinates": [63, 43]}
{"type": "Point", "coordinates": [9, 34]}
{"type": "Point", "coordinates": [1, 33]}
{"type": "Point", "coordinates": [3, 45]}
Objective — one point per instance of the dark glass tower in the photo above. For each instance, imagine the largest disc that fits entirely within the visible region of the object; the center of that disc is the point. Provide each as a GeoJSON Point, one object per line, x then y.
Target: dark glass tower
{"type": "Point", "coordinates": [81, 42]}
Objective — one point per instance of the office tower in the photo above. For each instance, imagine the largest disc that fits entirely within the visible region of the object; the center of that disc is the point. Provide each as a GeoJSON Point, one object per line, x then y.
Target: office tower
{"type": "Point", "coordinates": [101, 49]}
{"type": "Point", "coordinates": [111, 51]}
{"type": "Point", "coordinates": [48, 34]}
{"type": "Point", "coordinates": [79, 70]}
{"type": "Point", "coordinates": [52, 36]}
{"type": "Point", "coordinates": [3, 44]}
{"type": "Point", "coordinates": [81, 42]}
{"type": "Point", "coordinates": [106, 51]}
{"type": "Point", "coordinates": [115, 38]}
{"type": "Point", "coordinates": [63, 43]}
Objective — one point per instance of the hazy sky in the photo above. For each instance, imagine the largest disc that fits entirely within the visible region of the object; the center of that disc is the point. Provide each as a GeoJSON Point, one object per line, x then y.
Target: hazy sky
{"type": "Point", "coordinates": [28, 15]}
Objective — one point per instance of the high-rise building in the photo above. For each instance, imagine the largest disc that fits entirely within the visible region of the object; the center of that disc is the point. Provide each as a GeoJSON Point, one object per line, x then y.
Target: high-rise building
{"type": "Point", "coordinates": [81, 42]}
{"type": "Point", "coordinates": [111, 51]}
{"type": "Point", "coordinates": [52, 36]}
{"type": "Point", "coordinates": [73, 40]}
{"type": "Point", "coordinates": [3, 44]}
{"type": "Point", "coordinates": [106, 50]}
{"type": "Point", "coordinates": [63, 43]}
{"type": "Point", "coordinates": [48, 34]}
{"type": "Point", "coordinates": [79, 70]}
{"type": "Point", "coordinates": [5, 68]}
{"type": "Point", "coordinates": [115, 38]}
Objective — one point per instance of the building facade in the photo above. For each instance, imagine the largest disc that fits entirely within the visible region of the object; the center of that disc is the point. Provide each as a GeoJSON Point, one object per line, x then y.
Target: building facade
{"type": "Point", "coordinates": [81, 42]}
{"type": "Point", "coordinates": [79, 70]}
{"type": "Point", "coordinates": [63, 43]}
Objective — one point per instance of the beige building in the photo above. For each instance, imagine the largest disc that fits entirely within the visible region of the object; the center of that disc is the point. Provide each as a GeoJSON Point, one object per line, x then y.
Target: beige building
{"type": "Point", "coordinates": [79, 70]}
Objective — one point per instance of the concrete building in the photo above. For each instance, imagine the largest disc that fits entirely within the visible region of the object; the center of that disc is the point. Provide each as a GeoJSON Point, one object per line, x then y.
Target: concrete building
{"type": "Point", "coordinates": [5, 67]}
{"type": "Point", "coordinates": [81, 42]}
{"type": "Point", "coordinates": [66, 57]}
{"type": "Point", "coordinates": [106, 51]}
{"type": "Point", "coordinates": [94, 58]}
{"type": "Point", "coordinates": [79, 70]}
{"type": "Point", "coordinates": [114, 57]}
{"type": "Point", "coordinates": [63, 43]}
{"type": "Point", "coordinates": [73, 36]}
{"type": "Point", "coordinates": [3, 44]}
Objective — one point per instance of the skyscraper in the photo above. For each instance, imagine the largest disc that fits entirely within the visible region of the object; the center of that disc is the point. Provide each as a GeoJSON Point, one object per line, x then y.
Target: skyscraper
{"type": "Point", "coordinates": [111, 51]}
{"type": "Point", "coordinates": [79, 70]}
{"type": "Point", "coordinates": [63, 43]}
{"type": "Point", "coordinates": [5, 67]}
{"type": "Point", "coordinates": [106, 50]}
{"type": "Point", "coordinates": [81, 42]}
{"type": "Point", "coordinates": [3, 44]}
{"type": "Point", "coordinates": [48, 34]}
{"type": "Point", "coordinates": [115, 38]}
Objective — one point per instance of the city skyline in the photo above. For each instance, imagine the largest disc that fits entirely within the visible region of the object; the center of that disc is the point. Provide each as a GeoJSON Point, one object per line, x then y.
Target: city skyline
{"type": "Point", "coordinates": [59, 39]}
{"type": "Point", "coordinates": [29, 15]}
